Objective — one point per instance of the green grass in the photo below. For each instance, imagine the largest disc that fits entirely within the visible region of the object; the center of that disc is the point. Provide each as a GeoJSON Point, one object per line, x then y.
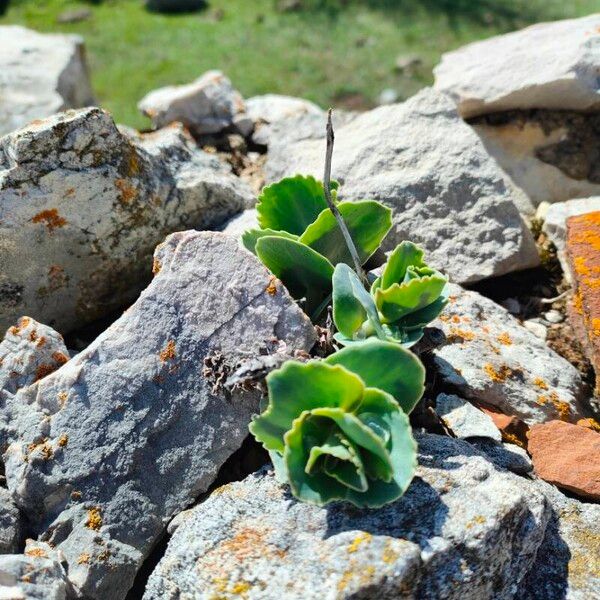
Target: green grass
{"type": "Point", "coordinates": [333, 52]}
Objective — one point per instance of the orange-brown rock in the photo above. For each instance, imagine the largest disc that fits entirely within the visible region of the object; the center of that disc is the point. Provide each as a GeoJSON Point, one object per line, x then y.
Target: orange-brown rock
{"type": "Point", "coordinates": [567, 456]}
{"type": "Point", "coordinates": [513, 430]}
{"type": "Point", "coordinates": [583, 255]}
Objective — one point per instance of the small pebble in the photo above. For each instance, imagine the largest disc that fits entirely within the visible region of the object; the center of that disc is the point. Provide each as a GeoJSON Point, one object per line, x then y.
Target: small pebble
{"type": "Point", "coordinates": [388, 96]}
{"type": "Point", "coordinates": [554, 316]}
{"type": "Point", "coordinates": [542, 210]}
{"type": "Point", "coordinates": [537, 328]}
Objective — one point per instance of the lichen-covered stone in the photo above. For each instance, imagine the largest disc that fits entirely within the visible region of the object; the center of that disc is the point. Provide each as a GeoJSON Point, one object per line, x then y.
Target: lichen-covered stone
{"type": "Point", "coordinates": [489, 357]}
{"type": "Point", "coordinates": [41, 74]}
{"type": "Point", "coordinates": [464, 529]}
{"type": "Point", "coordinates": [423, 161]}
{"type": "Point", "coordinates": [11, 524]}
{"type": "Point", "coordinates": [37, 574]}
{"type": "Point", "coordinates": [548, 65]}
{"type": "Point", "coordinates": [82, 207]}
{"type": "Point", "coordinates": [106, 450]}
{"type": "Point", "coordinates": [463, 419]}
{"type": "Point", "coordinates": [29, 352]}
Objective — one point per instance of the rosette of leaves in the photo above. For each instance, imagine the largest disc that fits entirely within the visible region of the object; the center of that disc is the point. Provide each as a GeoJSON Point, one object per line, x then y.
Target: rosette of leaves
{"type": "Point", "coordinates": [402, 301]}
{"type": "Point", "coordinates": [338, 429]}
{"type": "Point", "coordinates": [300, 242]}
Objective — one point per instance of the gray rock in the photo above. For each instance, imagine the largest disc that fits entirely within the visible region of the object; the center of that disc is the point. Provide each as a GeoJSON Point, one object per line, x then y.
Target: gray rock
{"type": "Point", "coordinates": [463, 419]}
{"type": "Point", "coordinates": [40, 74]}
{"type": "Point", "coordinates": [424, 162]}
{"type": "Point", "coordinates": [236, 226]}
{"type": "Point", "coordinates": [106, 450]}
{"type": "Point", "coordinates": [11, 525]}
{"type": "Point", "coordinates": [549, 65]}
{"type": "Point", "coordinates": [38, 574]}
{"type": "Point", "coordinates": [207, 105]}
{"type": "Point", "coordinates": [505, 456]}
{"type": "Point", "coordinates": [82, 207]}
{"type": "Point", "coordinates": [29, 352]}
{"type": "Point", "coordinates": [489, 357]}
{"type": "Point", "coordinates": [463, 530]}
{"type": "Point", "coordinates": [555, 223]}
{"type": "Point", "coordinates": [568, 561]}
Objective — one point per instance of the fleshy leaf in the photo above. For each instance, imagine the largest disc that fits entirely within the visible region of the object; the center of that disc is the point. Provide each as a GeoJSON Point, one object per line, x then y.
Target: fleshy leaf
{"type": "Point", "coordinates": [352, 304]}
{"type": "Point", "coordinates": [422, 317]}
{"type": "Point", "coordinates": [251, 236]}
{"type": "Point", "coordinates": [399, 300]}
{"type": "Point", "coordinates": [386, 366]}
{"type": "Point", "coordinates": [403, 256]}
{"type": "Point", "coordinates": [368, 223]}
{"type": "Point", "coordinates": [304, 272]}
{"type": "Point", "coordinates": [291, 204]}
{"type": "Point", "coordinates": [298, 387]}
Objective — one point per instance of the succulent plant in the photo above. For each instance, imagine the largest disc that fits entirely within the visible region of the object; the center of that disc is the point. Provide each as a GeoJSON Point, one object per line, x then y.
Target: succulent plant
{"type": "Point", "coordinates": [300, 241]}
{"type": "Point", "coordinates": [338, 429]}
{"type": "Point", "coordinates": [402, 301]}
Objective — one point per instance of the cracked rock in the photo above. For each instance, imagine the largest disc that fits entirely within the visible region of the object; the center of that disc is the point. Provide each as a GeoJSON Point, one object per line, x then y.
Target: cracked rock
{"type": "Point", "coordinates": [82, 207]}
{"type": "Point", "coordinates": [106, 450]}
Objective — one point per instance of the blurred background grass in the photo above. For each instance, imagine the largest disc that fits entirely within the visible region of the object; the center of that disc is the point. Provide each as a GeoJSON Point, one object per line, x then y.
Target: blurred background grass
{"type": "Point", "coordinates": [334, 52]}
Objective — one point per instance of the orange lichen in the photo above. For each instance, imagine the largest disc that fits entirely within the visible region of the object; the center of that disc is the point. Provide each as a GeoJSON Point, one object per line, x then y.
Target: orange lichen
{"type": "Point", "coordinates": [156, 266]}
{"type": "Point", "coordinates": [62, 397]}
{"type": "Point", "coordinates": [169, 352]}
{"type": "Point", "coordinates": [63, 440]}
{"type": "Point", "coordinates": [43, 370]}
{"type": "Point", "coordinates": [539, 382]}
{"type": "Point", "coordinates": [83, 559]}
{"type": "Point", "coordinates": [33, 336]}
{"type": "Point", "coordinates": [578, 303]}
{"type": "Point", "coordinates": [60, 357]}
{"type": "Point", "coordinates": [47, 452]}
{"type": "Point", "coordinates": [358, 541]}
{"type": "Point", "coordinates": [37, 552]}
{"type": "Point", "coordinates": [595, 327]}
{"type": "Point", "coordinates": [589, 424]}
{"type": "Point", "coordinates": [477, 520]}
{"type": "Point", "coordinates": [504, 338]}
{"type": "Point", "coordinates": [94, 520]}
{"type": "Point", "coordinates": [457, 334]}
{"type": "Point", "coordinates": [128, 193]}
{"type": "Point", "coordinates": [271, 289]}
{"type": "Point", "coordinates": [500, 375]}
{"type": "Point", "coordinates": [41, 342]}
{"type": "Point", "coordinates": [22, 324]}
{"type": "Point", "coordinates": [50, 218]}
{"type": "Point", "coordinates": [76, 495]}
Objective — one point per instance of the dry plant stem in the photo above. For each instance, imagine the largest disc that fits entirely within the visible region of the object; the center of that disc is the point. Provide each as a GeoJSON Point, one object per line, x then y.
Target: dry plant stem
{"type": "Point", "coordinates": [332, 207]}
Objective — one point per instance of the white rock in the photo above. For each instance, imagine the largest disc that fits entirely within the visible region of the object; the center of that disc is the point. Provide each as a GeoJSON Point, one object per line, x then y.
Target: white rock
{"type": "Point", "coordinates": [40, 74]}
{"type": "Point", "coordinates": [106, 450]}
{"type": "Point", "coordinates": [549, 65]}
{"type": "Point", "coordinates": [426, 164]}
{"type": "Point", "coordinates": [271, 108]}
{"type": "Point", "coordinates": [554, 316]}
{"type": "Point", "coordinates": [388, 96]}
{"type": "Point", "coordinates": [208, 105]}
{"type": "Point", "coordinates": [489, 357]}
{"type": "Point", "coordinates": [538, 329]}
{"type": "Point", "coordinates": [464, 529]}
{"type": "Point", "coordinates": [463, 419]}
{"type": "Point", "coordinates": [236, 226]}
{"type": "Point", "coordinates": [82, 207]}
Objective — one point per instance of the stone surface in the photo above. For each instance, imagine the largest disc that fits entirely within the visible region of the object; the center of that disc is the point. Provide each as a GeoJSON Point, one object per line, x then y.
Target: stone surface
{"type": "Point", "coordinates": [463, 419]}
{"type": "Point", "coordinates": [568, 561]}
{"type": "Point", "coordinates": [505, 456]}
{"type": "Point", "coordinates": [567, 456]}
{"type": "Point", "coordinates": [11, 525]}
{"type": "Point", "coordinates": [426, 164]}
{"type": "Point", "coordinates": [551, 155]}
{"type": "Point", "coordinates": [40, 74]}
{"type": "Point", "coordinates": [29, 352]}
{"type": "Point", "coordinates": [106, 450]}
{"type": "Point", "coordinates": [271, 108]}
{"type": "Point", "coordinates": [38, 574]}
{"type": "Point", "coordinates": [236, 226]}
{"type": "Point", "coordinates": [549, 65]}
{"type": "Point", "coordinates": [583, 258]}
{"type": "Point", "coordinates": [463, 529]}
{"type": "Point", "coordinates": [82, 207]}
{"type": "Point", "coordinates": [208, 105]}
{"type": "Point", "coordinates": [490, 358]}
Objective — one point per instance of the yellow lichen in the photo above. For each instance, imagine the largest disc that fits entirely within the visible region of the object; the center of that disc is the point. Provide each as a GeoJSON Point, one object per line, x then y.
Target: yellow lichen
{"type": "Point", "coordinates": [500, 375]}
{"type": "Point", "coordinates": [83, 559]}
{"type": "Point", "coordinates": [539, 382]}
{"type": "Point", "coordinates": [94, 520]}
{"type": "Point", "coordinates": [504, 338]}
{"type": "Point", "coordinates": [63, 440]}
{"type": "Point", "coordinates": [37, 552]}
{"type": "Point", "coordinates": [271, 289]}
{"type": "Point", "coordinates": [169, 352]}
{"type": "Point", "coordinates": [358, 540]}
{"type": "Point", "coordinates": [156, 266]}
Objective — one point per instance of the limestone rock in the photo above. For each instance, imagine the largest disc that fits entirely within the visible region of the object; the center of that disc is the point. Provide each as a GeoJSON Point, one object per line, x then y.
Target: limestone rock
{"type": "Point", "coordinates": [490, 358]}
{"type": "Point", "coordinates": [463, 419]}
{"type": "Point", "coordinates": [549, 65]}
{"type": "Point", "coordinates": [208, 105]}
{"type": "Point", "coordinates": [83, 206]}
{"type": "Point", "coordinates": [106, 450]}
{"type": "Point", "coordinates": [463, 529]}
{"type": "Point", "coordinates": [271, 108]}
{"type": "Point", "coordinates": [567, 564]}
{"type": "Point", "coordinates": [567, 456]}
{"type": "Point", "coordinates": [505, 456]}
{"type": "Point", "coordinates": [426, 164]}
{"type": "Point", "coordinates": [38, 574]}
{"type": "Point", "coordinates": [236, 226]}
{"type": "Point", "coordinates": [11, 525]}
{"type": "Point", "coordinates": [40, 74]}
{"type": "Point", "coordinates": [29, 352]}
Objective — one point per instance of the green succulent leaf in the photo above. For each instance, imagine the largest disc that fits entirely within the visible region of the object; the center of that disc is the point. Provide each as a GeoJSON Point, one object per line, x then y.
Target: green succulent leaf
{"type": "Point", "coordinates": [251, 236]}
{"type": "Point", "coordinates": [304, 272]}
{"type": "Point", "coordinates": [291, 204]}
{"type": "Point", "coordinates": [406, 254]}
{"type": "Point", "coordinates": [352, 304]}
{"type": "Point", "coordinates": [386, 366]}
{"type": "Point", "coordinates": [368, 223]}
{"type": "Point", "coordinates": [298, 387]}
{"type": "Point", "coordinates": [420, 318]}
